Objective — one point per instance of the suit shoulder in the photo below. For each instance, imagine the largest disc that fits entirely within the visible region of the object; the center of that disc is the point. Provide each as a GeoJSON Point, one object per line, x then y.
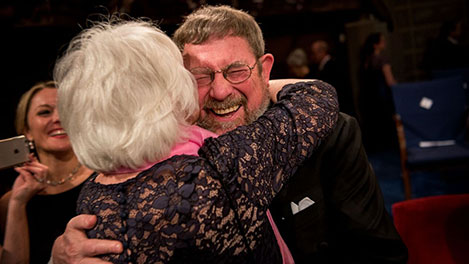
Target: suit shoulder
{"type": "Point", "coordinates": [347, 127]}
{"type": "Point", "coordinates": [347, 120]}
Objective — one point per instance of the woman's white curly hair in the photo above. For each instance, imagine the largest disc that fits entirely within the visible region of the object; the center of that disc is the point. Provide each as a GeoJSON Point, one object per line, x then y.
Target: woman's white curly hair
{"type": "Point", "coordinates": [123, 94]}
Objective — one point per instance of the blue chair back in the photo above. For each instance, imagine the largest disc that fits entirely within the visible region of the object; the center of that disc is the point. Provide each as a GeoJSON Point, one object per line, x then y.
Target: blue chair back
{"type": "Point", "coordinates": [463, 72]}
{"type": "Point", "coordinates": [431, 110]}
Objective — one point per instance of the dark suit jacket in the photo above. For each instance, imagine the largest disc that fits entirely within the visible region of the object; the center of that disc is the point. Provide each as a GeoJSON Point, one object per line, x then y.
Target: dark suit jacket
{"type": "Point", "coordinates": [348, 222]}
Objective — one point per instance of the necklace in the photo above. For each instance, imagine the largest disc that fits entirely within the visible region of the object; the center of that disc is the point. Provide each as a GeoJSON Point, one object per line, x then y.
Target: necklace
{"type": "Point", "coordinates": [64, 180]}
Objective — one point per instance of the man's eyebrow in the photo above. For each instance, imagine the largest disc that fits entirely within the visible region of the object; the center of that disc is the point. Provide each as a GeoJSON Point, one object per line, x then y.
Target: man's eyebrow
{"type": "Point", "coordinates": [237, 63]}
{"type": "Point", "coordinates": [201, 68]}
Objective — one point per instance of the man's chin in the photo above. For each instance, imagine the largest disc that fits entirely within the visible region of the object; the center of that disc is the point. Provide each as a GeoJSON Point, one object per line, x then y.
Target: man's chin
{"type": "Point", "coordinates": [221, 124]}
{"type": "Point", "coordinates": [219, 128]}
{"type": "Point", "coordinates": [221, 131]}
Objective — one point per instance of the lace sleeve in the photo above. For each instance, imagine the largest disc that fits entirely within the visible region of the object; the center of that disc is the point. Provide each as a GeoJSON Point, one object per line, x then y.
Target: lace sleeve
{"type": "Point", "coordinates": [253, 162]}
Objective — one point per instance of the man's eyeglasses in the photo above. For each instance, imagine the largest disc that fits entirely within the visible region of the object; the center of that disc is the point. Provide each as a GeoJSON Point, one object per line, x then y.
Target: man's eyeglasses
{"type": "Point", "coordinates": [234, 73]}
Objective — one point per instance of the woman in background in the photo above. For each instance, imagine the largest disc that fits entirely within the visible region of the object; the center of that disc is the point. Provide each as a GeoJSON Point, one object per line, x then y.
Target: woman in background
{"type": "Point", "coordinates": [45, 205]}
{"type": "Point", "coordinates": [376, 103]}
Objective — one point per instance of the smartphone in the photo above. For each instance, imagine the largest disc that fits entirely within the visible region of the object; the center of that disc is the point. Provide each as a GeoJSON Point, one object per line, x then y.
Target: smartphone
{"type": "Point", "coordinates": [13, 151]}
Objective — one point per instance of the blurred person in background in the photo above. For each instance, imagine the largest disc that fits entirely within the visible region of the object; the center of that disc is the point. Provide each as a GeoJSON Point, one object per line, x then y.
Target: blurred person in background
{"type": "Point", "coordinates": [329, 69]}
{"type": "Point", "coordinates": [445, 51]}
{"type": "Point", "coordinates": [297, 62]}
{"type": "Point", "coordinates": [376, 103]}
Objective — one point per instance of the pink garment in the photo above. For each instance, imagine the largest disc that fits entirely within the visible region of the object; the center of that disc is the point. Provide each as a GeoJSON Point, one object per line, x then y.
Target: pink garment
{"type": "Point", "coordinates": [197, 135]}
{"type": "Point", "coordinates": [286, 254]}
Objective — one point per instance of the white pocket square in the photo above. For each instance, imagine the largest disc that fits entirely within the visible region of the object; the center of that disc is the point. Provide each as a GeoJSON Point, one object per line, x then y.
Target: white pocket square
{"type": "Point", "coordinates": [303, 204]}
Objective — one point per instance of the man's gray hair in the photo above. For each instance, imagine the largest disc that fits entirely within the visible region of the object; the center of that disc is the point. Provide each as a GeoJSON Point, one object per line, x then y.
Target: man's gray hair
{"type": "Point", "coordinates": [219, 22]}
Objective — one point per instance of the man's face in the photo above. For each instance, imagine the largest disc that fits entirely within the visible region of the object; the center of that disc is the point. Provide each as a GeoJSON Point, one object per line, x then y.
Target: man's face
{"type": "Point", "coordinates": [223, 105]}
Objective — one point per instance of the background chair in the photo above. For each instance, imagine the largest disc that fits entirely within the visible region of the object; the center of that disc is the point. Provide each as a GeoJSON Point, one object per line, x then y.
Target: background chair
{"type": "Point", "coordinates": [435, 229]}
{"type": "Point", "coordinates": [431, 119]}
{"type": "Point", "coordinates": [462, 72]}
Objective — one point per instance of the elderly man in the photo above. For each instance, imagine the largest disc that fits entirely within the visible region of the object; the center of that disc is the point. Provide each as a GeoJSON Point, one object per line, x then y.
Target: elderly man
{"type": "Point", "coordinates": [332, 211]}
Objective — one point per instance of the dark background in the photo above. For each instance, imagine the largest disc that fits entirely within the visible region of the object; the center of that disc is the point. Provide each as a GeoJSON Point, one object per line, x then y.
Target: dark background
{"type": "Point", "coordinates": [34, 33]}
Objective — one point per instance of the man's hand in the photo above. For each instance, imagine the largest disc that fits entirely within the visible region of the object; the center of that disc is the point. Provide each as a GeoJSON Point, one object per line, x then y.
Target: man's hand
{"type": "Point", "coordinates": [74, 247]}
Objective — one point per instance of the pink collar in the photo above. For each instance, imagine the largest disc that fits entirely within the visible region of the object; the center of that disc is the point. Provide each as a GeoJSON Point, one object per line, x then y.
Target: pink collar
{"type": "Point", "coordinates": [196, 137]}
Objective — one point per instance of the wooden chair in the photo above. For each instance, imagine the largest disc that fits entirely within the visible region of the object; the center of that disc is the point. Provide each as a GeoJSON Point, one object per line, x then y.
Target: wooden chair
{"type": "Point", "coordinates": [431, 120]}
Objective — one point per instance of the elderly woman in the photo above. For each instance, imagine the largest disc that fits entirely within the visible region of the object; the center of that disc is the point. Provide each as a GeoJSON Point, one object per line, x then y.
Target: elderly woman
{"type": "Point", "coordinates": [126, 99]}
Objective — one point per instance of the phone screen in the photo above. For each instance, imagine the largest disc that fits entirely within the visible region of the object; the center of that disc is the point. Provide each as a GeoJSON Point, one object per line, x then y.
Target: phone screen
{"type": "Point", "coordinates": [13, 151]}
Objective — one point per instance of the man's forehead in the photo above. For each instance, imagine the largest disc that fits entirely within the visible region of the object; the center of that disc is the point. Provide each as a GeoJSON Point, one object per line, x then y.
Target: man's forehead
{"type": "Point", "coordinates": [217, 52]}
{"type": "Point", "coordinates": [236, 43]}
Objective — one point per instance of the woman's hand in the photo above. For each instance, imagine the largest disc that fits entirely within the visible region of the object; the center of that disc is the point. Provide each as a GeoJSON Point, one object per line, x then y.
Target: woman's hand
{"type": "Point", "coordinates": [29, 181]}
{"type": "Point", "coordinates": [276, 85]}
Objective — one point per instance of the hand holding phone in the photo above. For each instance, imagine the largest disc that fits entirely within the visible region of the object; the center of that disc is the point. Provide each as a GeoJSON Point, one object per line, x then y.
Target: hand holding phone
{"type": "Point", "coordinates": [29, 181]}
{"type": "Point", "coordinates": [13, 151]}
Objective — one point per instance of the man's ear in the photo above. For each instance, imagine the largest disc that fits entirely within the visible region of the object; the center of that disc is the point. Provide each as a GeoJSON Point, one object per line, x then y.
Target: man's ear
{"type": "Point", "coordinates": [267, 62]}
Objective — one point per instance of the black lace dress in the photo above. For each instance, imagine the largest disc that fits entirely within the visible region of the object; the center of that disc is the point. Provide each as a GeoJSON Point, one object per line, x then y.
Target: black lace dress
{"type": "Point", "coordinates": [212, 208]}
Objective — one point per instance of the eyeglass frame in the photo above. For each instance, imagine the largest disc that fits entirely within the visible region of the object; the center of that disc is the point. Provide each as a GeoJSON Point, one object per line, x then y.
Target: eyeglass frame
{"type": "Point", "coordinates": [224, 73]}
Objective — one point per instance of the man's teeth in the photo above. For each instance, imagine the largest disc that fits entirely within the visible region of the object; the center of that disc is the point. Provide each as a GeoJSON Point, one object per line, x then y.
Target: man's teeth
{"type": "Point", "coordinates": [225, 110]}
{"type": "Point", "coordinates": [58, 133]}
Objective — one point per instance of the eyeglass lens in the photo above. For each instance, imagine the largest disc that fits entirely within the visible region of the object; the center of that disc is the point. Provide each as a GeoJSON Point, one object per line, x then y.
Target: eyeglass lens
{"type": "Point", "coordinates": [234, 73]}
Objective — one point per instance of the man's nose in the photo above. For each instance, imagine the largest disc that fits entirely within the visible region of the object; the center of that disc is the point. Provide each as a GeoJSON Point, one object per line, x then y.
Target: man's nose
{"type": "Point", "coordinates": [220, 88]}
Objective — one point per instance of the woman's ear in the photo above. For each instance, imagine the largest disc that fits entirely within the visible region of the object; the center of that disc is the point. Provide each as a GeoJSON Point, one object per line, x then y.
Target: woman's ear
{"type": "Point", "coordinates": [27, 134]}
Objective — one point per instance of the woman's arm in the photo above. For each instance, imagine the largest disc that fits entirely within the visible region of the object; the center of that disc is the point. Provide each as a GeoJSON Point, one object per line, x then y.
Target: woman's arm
{"type": "Point", "coordinates": [4, 211]}
{"type": "Point", "coordinates": [276, 85]}
{"type": "Point", "coordinates": [16, 241]}
{"type": "Point", "coordinates": [388, 76]}
{"type": "Point", "coordinates": [259, 158]}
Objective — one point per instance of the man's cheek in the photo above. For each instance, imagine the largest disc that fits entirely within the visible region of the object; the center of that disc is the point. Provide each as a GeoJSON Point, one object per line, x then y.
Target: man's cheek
{"type": "Point", "coordinates": [203, 93]}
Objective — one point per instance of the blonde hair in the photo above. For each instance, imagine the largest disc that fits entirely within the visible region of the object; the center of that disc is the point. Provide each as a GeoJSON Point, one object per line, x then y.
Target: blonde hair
{"type": "Point", "coordinates": [124, 94]}
{"type": "Point", "coordinates": [21, 118]}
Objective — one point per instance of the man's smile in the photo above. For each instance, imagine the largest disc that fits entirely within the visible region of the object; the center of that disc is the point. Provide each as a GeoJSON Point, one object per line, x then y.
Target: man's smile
{"type": "Point", "coordinates": [226, 111]}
